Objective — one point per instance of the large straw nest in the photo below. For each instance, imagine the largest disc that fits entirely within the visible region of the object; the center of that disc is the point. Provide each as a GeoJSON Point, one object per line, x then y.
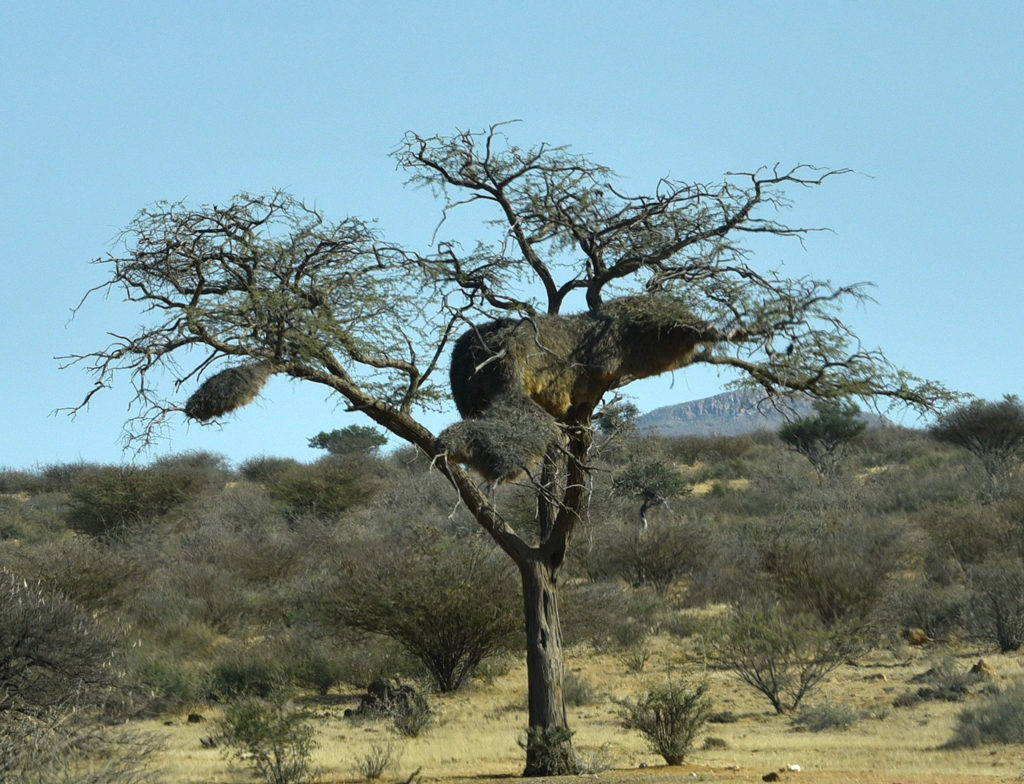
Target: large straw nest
{"type": "Point", "coordinates": [227, 390]}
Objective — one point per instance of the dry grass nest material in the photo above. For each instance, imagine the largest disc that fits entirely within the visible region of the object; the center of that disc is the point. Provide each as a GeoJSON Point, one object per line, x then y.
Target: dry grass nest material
{"type": "Point", "coordinates": [227, 390]}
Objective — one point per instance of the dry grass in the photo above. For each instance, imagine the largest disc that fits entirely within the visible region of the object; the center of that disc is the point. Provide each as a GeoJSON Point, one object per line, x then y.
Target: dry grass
{"type": "Point", "coordinates": [475, 734]}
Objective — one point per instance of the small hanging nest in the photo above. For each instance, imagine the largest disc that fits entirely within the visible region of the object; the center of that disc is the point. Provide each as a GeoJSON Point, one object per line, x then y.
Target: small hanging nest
{"type": "Point", "coordinates": [228, 390]}
{"type": "Point", "coordinates": [505, 444]}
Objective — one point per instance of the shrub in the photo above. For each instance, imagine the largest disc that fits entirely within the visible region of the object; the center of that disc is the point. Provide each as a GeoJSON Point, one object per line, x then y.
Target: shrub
{"type": "Point", "coordinates": [578, 690]}
{"type": "Point", "coordinates": [373, 763]}
{"type": "Point", "coordinates": [328, 487]}
{"type": "Point", "coordinates": [247, 672]}
{"type": "Point", "coordinates": [411, 716]}
{"type": "Point", "coordinates": [316, 666]}
{"type": "Point", "coordinates": [997, 601]}
{"type": "Point", "coordinates": [780, 653]}
{"type": "Point", "coordinates": [273, 738]}
{"type": "Point", "coordinates": [448, 602]}
{"type": "Point", "coordinates": [166, 681]}
{"type": "Point", "coordinates": [607, 615]}
{"type": "Point", "coordinates": [658, 556]}
{"type": "Point", "coordinates": [824, 437]}
{"type": "Point", "coordinates": [669, 717]}
{"type": "Point", "coordinates": [999, 719]}
{"type": "Point", "coordinates": [943, 681]}
{"type": "Point", "coordinates": [53, 655]}
{"type": "Point", "coordinates": [106, 499]}
{"type": "Point", "coordinates": [992, 432]}
{"type": "Point", "coordinates": [267, 470]}
{"type": "Point", "coordinates": [826, 716]}
{"type": "Point", "coordinates": [14, 481]}
{"type": "Point", "coordinates": [73, 749]}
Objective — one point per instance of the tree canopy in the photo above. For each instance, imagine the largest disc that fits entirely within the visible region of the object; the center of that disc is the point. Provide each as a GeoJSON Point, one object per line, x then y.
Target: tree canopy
{"type": "Point", "coordinates": [266, 284]}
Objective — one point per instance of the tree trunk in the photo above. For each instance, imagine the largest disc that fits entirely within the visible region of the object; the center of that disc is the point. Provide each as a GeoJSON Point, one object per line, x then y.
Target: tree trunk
{"type": "Point", "coordinates": [548, 741]}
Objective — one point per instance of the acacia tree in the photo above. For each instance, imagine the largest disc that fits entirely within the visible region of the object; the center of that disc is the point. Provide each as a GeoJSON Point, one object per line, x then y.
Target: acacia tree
{"type": "Point", "coordinates": [991, 431]}
{"type": "Point", "coordinates": [266, 284]}
{"type": "Point", "coordinates": [823, 437]}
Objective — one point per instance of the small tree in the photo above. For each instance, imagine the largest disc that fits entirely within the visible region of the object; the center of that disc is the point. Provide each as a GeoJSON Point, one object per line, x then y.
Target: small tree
{"type": "Point", "coordinates": [992, 432]}
{"type": "Point", "coordinates": [824, 437]}
{"type": "Point", "coordinates": [652, 483]}
{"type": "Point", "coordinates": [266, 285]}
{"type": "Point", "coordinates": [354, 439]}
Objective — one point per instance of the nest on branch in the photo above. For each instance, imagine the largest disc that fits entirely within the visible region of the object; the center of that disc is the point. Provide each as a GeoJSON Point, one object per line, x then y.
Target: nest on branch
{"type": "Point", "coordinates": [506, 443]}
{"type": "Point", "coordinates": [514, 380]}
{"type": "Point", "coordinates": [227, 390]}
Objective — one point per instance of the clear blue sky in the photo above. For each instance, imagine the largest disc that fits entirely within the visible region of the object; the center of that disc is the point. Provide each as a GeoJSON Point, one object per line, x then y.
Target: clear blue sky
{"type": "Point", "coordinates": [106, 107]}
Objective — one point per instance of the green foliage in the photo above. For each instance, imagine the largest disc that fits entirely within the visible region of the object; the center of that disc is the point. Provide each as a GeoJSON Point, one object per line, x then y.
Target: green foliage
{"type": "Point", "coordinates": [781, 654]}
{"type": "Point", "coordinates": [996, 589]}
{"type": "Point", "coordinates": [669, 717]}
{"type": "Point", "coordinates": [53, 655]}
{"type": "Point", "coordinates": [998, 719]}
{"type": "Point", "coordinates": [108, 499]}
{"type": "Point", "coordinates": [577, 690]}
{"type": "Point", "coordinates": [652, 483]}
{"type": "Point", "coordinates": [608, 615]}
{"type": "Point", "coordinates": [992, 432]}
{"type": "Point", "coordinates": [245, 671]}
{"type": "Point", "coordinates": [379, 758]}
{"type": "Point", "coordinates": [411, 717]}
{"type": "Point", "coordinates": [449, 602]}
{"type": "Point", "coordinates": [316, 665]}
{"type": "Point", "coordinates": [271, 737]}
{"type": "Point", "coordinates": [353, 439]}
{"type": "Point", "coordinates": [549, 752]}
{"type": "Point", "coordinates": [267, 470]}
{"type": "Point", "coordinates": [826, 716]}
{"type": "Point", "coordinates": [72, 748]}
{"type": "Point", "coordinates": [617, 419]}
{"type": "Point", "coordinates": [823, 438]}
{"type": "Point", "coordinates": [327, 488]}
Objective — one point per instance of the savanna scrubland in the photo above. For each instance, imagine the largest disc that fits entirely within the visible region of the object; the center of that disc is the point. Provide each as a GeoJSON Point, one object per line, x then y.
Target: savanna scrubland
{"type": "Point", "coordinates": [830, 622]}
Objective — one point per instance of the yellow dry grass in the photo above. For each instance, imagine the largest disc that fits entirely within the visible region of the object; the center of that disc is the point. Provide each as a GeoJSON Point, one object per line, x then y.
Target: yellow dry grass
{"type": "Point", "coordinates": [475, 732]}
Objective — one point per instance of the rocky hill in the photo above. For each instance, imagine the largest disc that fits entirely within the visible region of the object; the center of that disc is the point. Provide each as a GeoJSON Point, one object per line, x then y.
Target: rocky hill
{"type": "Point", "coordinates": [727, 414]}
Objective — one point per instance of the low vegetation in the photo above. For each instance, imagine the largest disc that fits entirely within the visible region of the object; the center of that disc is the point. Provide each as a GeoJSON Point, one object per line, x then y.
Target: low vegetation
{"type": "Point", "coordinates": [187, 584]}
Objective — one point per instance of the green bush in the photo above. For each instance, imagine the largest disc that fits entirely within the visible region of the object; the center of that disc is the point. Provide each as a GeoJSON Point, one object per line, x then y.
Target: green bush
{"type": "Point", "coordinates": [267, 470]}
{"type": "Point", "coordinates": [411, 716]}
{"type": "Point", "coordinates": [73, 748]}
{"type": "Point", "coordinates": [316, 666]}
{"type": "Point", "coordinates": [271, 737]}
{"type": "Point", "coordinates": [780, 653]}
{"type": "Point", "coordinates": [53, 654]}
{"type": "Point", "coordinates": [997, 601]}
{"type": "Point", "coordinates": [107, 499]}
{"type": "Point", "coordinates": [943, 681]}
{"type": "Point", "coordinates": [328, 487]}
{"type": "Point", "coordinates": [669, 717]}
{"type": "Point", "coordinates": [999, 719]}
{"type": "Point", "coordinates": [826, 716]}
{"type": "Point", "coordinates": [167, 682]}
{"type": "Point", "coordinates": [578, 690]}
{"type": "Point", "coordinates": [608, 615]}
{"type": "Point", "coordinates": [448, 602]}
{"type": "Point", "coordinates": [247, 672]}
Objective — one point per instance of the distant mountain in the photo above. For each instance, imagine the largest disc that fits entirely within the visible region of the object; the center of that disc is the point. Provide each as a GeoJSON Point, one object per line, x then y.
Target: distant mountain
{"type": "Point", "coordinates": [729, 414]}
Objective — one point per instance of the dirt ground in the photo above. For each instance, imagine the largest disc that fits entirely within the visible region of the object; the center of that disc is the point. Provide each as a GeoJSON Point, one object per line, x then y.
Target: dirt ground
{"type": "Point", "coordinates": [474, 735]}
